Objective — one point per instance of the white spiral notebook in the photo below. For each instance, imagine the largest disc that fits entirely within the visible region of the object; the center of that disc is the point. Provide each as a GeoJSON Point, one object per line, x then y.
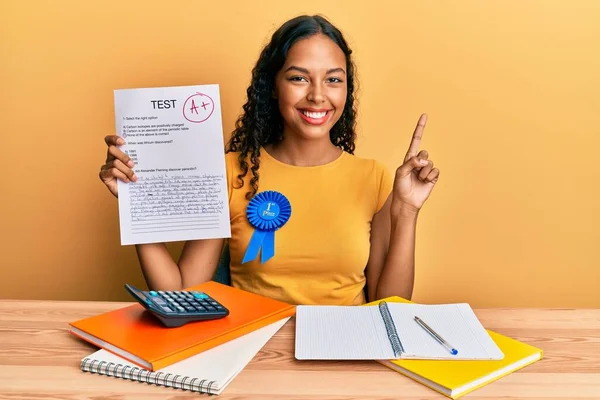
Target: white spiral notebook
{"type": "Point", "coordinates": [208, 372]}
{"type": "Point", "coordinates": [389, 331]}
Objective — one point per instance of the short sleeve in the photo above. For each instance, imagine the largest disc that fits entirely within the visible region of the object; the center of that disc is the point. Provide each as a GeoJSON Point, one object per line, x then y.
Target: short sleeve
{"type": "Point", "coordinates": [385, 183]}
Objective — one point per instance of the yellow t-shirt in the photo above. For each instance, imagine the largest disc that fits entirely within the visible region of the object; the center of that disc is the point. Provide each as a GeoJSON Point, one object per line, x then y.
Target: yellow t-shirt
{"type": "Point", "coordinates": [322, 251]}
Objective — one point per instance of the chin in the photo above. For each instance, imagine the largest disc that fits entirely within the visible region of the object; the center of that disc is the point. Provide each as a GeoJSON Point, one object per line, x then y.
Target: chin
{"type": "Point", "coordinates": [313, 132]}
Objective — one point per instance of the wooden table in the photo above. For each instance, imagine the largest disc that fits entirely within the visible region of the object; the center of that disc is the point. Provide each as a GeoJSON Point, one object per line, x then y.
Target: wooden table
{"type": "Point", "coordinates": [39, 359]}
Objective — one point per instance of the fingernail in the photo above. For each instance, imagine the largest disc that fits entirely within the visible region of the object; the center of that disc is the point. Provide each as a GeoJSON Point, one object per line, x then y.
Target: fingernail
{"type": "Point", "coordinates": [120, 141]}
{"type": "Point", "coordinates": [130, 164]}
{"type": "Point", "coordinates": [134, 178]}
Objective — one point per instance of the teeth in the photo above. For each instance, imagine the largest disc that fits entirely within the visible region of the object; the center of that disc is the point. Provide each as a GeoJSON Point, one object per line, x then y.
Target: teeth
{"type": "Point", "coordinates": [315, 115]}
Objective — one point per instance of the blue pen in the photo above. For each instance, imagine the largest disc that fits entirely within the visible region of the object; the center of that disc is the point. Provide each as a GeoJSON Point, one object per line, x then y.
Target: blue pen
{"type": "Point", "coordinates": [437, 337]}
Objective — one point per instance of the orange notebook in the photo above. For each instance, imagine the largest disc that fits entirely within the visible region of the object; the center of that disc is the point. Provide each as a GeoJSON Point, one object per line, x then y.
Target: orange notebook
{"type": "Point", "coordinates": [136, 335]}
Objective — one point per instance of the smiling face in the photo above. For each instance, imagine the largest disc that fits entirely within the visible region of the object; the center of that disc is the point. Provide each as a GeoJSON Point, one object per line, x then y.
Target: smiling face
{"type": "Point", "coordinates": [311, 87]}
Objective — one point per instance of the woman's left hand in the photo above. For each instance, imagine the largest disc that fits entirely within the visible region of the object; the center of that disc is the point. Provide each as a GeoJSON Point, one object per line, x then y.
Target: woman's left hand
{"type": "Point", "coordinates": [416, 177]}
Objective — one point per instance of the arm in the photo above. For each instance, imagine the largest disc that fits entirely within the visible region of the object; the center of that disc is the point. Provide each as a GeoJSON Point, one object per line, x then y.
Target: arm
{"type": "Point", "coordinates": [197, 264]}
{"type": "Point", "coordinates": [391, 267]}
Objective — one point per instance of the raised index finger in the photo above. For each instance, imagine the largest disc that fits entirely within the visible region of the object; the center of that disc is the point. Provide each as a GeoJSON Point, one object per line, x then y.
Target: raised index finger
{"type": "Point", "coordinates": [415, 142]}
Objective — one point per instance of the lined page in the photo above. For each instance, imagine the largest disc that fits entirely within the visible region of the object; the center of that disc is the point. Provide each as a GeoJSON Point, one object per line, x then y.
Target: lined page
{"type": "Point", "coordinates": [177, 148]}
{"type": "Point", "coordinates": [456, 323]}
{"type": "Point", "coordinates": [341, 333]}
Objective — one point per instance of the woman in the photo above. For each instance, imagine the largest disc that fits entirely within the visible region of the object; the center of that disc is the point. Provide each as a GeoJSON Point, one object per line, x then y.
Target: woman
{"type": "Point", "coordinates": [351, 223]}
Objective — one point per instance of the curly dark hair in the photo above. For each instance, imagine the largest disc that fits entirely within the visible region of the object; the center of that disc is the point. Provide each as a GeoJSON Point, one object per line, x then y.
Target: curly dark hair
{"type": "Point", "coordinates": [261, 122]}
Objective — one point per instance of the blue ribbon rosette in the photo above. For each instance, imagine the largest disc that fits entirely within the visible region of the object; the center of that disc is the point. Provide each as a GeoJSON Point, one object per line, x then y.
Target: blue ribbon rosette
{"type": "Point", "coordinates": [266, 212]}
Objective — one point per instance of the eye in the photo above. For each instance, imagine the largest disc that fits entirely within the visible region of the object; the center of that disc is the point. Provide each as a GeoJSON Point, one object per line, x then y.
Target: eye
{"type": "Point", "coordinates": [334, 80]}
{"type": "Point", "coordinates": [298, 79]}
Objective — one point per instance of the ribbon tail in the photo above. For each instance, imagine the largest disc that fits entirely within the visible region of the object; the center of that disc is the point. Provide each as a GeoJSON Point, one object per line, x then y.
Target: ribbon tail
{"type": "Point", "coordinates": [255, 242]}
{"type": "Point", "coordinates": [268, 247]}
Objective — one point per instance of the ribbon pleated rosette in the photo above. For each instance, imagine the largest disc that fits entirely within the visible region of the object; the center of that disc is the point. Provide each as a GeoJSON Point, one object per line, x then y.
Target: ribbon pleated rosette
{"type": "Point", "coordinates": [267, 212]}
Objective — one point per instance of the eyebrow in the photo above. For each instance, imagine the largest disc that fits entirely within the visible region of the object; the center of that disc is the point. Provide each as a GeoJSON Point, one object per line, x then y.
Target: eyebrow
{"type": "Point", "coordinates": [304, 70]}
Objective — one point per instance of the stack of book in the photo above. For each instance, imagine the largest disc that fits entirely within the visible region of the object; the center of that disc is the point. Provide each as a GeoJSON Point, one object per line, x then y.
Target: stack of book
{"type": "Point", "coordinates": [456, 378]}
{"type": "Point", "coordinates": [452, 353]}
{"type": "Point", "coordinates": [202, 356]}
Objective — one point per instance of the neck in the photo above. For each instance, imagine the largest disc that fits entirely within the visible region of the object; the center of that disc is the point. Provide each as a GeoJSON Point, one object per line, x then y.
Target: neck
{"type": "Point", "coordinates": [300, 152]}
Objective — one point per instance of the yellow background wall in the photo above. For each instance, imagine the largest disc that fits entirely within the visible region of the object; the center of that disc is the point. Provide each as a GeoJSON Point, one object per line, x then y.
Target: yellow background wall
{"type": "Point", "coordinates": [512, 90]}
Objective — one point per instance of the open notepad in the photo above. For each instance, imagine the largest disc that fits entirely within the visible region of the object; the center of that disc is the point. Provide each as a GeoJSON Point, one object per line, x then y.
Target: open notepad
{"type": "Point", "coordinates": [389, 331]}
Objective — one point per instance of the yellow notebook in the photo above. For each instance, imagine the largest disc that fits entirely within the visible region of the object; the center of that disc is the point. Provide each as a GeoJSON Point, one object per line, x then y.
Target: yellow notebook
{"type": "Point", "coordinates": [457, 378]}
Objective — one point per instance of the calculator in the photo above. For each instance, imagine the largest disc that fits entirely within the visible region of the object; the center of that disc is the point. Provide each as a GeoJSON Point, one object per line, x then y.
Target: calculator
{"type": "Point", "coordinates": [176, 308]}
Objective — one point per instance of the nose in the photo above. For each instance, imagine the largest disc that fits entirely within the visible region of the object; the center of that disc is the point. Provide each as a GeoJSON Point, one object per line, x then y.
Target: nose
{"type": "Point", "coordinates": [316, 93]}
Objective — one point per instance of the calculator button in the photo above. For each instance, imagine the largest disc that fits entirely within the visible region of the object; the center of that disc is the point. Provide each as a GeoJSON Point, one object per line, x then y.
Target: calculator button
{"type": "Point", "coordinates": [153, 293]}
{"type": "Point", "coordinates": [159, 301]}
{"type": "Point", "coordinates": [200, 296]}
{"type": "Point", "coordinates": [200, 308]}
{"type": "Point", "coordinates": [180, 309]}
{"type": "Point", "coordinates": [167, 309]}
{"type": "Point", "coordinates": [190, 308]}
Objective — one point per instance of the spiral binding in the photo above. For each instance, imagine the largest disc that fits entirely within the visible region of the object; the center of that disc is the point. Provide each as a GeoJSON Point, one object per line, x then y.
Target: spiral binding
{"type": "Point", "coordinates": [391, 329]}
{"type": "Point", "coordinates": [143, 375]}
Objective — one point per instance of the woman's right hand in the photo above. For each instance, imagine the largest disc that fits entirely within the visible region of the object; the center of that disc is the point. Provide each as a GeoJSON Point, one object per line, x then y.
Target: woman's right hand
{"type": "Point", "coordinates": [118, 165]}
